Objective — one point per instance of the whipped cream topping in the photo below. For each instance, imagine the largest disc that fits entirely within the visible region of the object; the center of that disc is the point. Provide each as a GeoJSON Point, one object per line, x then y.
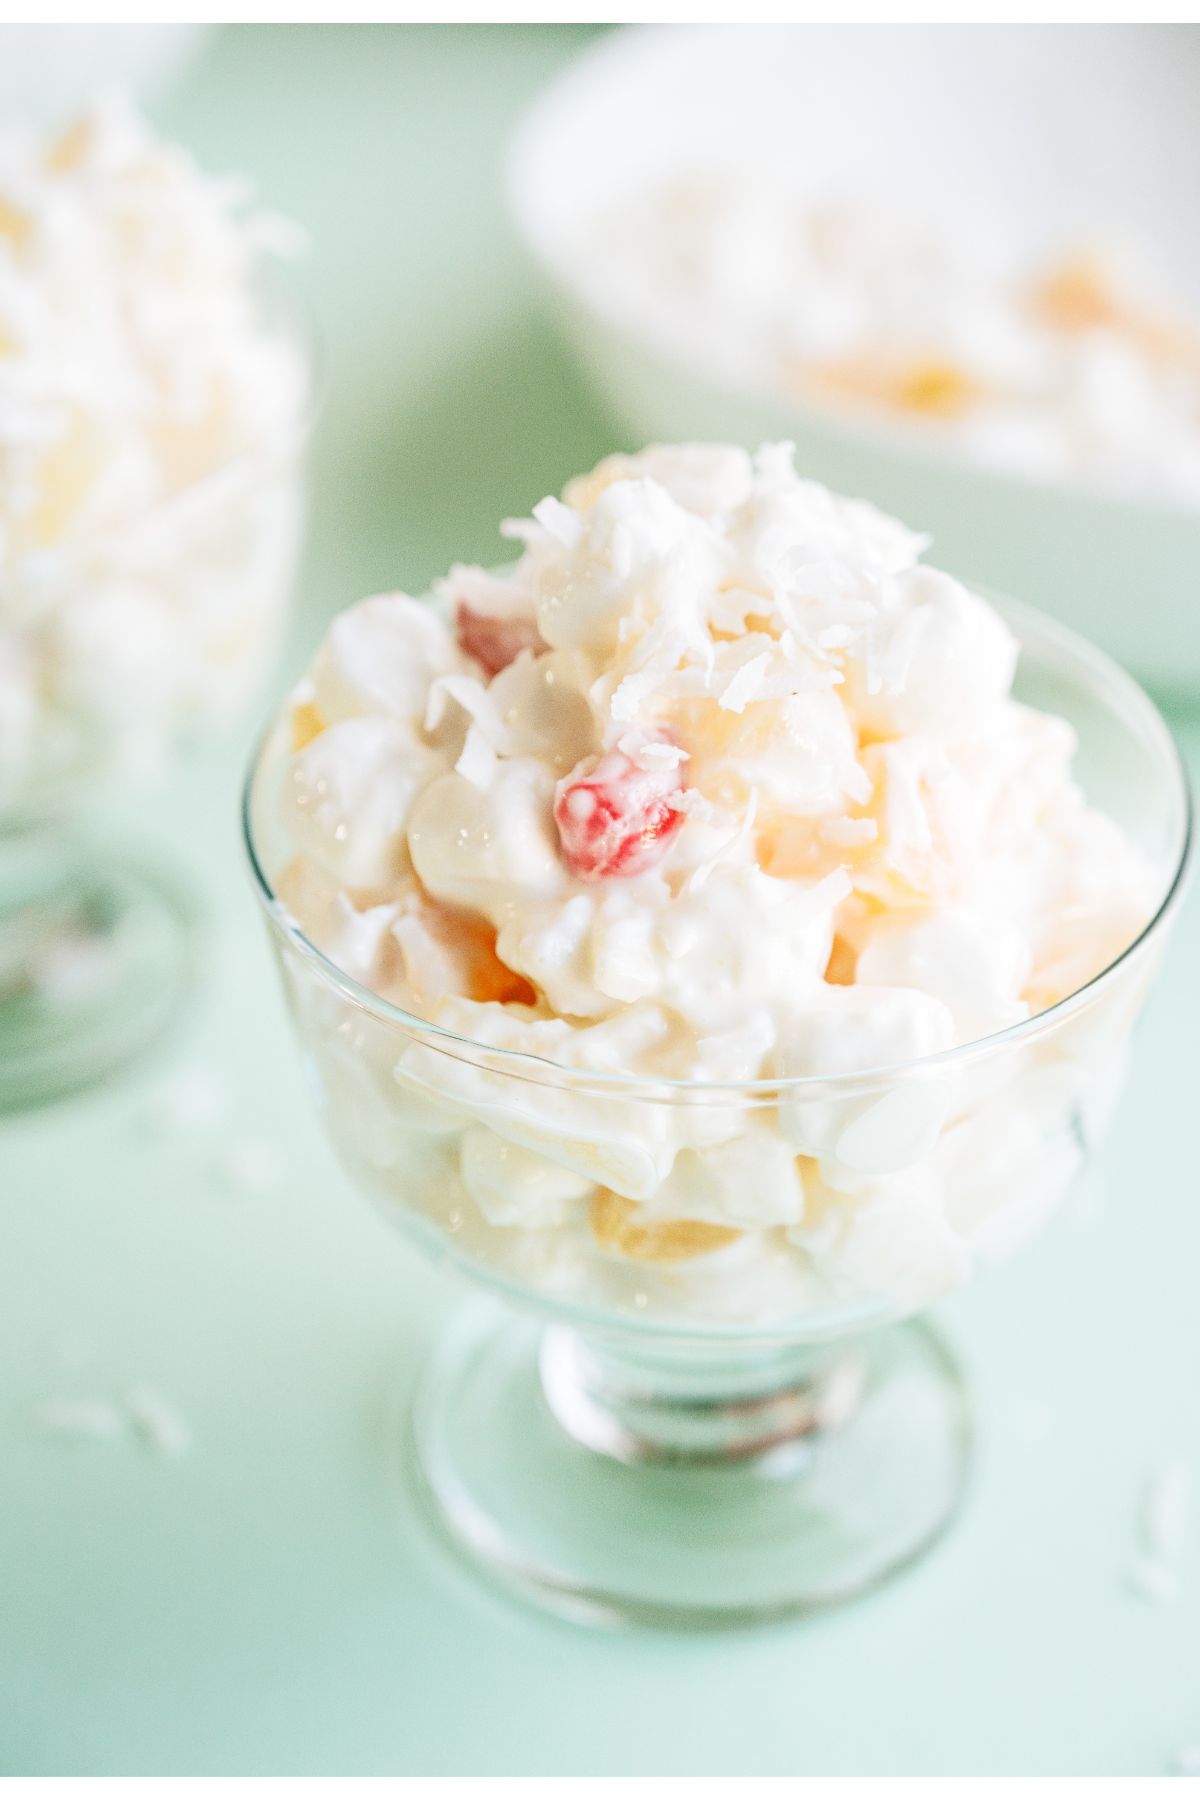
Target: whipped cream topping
{"type": "Point", "coordinates": [1084, 367]}
{"type": "Point", "coordinates": [145, 403]}
{"type": "Point", "coordinates": [720, 782]}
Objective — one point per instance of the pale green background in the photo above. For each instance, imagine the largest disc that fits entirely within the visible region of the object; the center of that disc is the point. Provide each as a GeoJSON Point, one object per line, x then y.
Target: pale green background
{"type": "Point", "coordinates": [271, 1604]}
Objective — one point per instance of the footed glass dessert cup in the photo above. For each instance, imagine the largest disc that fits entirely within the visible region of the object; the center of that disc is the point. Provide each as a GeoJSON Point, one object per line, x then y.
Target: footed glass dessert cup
{"type": "Point", "coordinates": [183, 614]}
{"type": "Point", "coordinates": [663, 1420]}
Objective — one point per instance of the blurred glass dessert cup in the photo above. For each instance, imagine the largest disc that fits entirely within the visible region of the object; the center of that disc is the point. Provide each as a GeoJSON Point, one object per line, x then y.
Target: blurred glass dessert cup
{"type": "Point", "coordinates": [690, 1421]}
{"type": "Point", "coordinates": [155, 402]}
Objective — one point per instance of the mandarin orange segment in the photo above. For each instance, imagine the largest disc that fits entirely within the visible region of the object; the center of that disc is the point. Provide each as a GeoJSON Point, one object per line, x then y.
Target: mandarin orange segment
{"type": "Point", "coordinates": [487, 977]}
{"type": "Point", "coordinates": [933, 387]}
{"type": "Point", "coordinates": [1074, 297]}
{"type": "Point", "coordinates": [939, 390]}
{"type": "Point", "coordinates": [839, 970]}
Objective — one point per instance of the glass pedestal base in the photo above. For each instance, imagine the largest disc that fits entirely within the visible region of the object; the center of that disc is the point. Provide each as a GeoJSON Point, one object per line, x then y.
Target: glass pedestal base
{"type": "Point", "coordinates": [684, 1491]}
{"type": "Point", "coordinates": [96, 957]}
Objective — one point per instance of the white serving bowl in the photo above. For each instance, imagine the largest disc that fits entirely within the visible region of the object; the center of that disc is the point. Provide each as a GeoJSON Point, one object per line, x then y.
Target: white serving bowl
{"type": "Point", "coordinates": [1050, 132]}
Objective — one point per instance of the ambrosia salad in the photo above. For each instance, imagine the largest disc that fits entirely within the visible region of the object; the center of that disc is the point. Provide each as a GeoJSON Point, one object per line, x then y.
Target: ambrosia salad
{"type": "Point", "coordinates": [150, 414]}
{"type": "Point", "coordinates": [718, 784]}
{"type": "Point", "coordinates": [1081, 364]}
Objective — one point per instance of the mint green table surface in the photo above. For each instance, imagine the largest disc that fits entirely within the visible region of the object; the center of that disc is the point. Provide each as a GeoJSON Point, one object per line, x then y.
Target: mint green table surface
{"type": "Point", "coordinates": [271, 1603]}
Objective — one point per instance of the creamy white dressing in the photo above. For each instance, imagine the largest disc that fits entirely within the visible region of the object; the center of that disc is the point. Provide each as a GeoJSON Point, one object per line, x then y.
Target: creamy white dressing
{"type": "Point", "coordinates": [858, 850]}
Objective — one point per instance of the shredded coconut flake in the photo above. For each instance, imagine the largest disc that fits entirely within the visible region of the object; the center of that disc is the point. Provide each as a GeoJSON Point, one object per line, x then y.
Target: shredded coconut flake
{"type": "Point", "coordinates": [745, 685]}
{"type": "Point", "coordinates": [476, 701]}
{"type": "Point", "coordinates": [703, 872]}
{"type": "Point", "coordinates": [191, 1101]}
{"type": "Point", "coordinates": [559, 521]}
{"type": "Point", "coordinates": [251, 1166]}
{"type": "Point", "coordinates": [1165, 1503]}
{"type": "Point", "coordinates": [477, 762]}
{"type": "Point", "coordinates": [1153, 1581]}
{"type": "Point", "coordinates": [158, 1424]}
{"type": "Point", "coordinates": [654, 756]}
{"type": "Point", "coordinates": [99, 1420]}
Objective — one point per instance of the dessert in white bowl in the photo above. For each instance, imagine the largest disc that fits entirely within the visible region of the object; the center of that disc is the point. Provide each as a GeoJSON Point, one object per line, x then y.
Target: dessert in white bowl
{"type": "Point", "coordinates": [1072, 523]}
{"type": "Point", "coordinates": [1084, 366]}
{"type": "Point", "coordinates": [154, 406]}
{"type": "Point", "coordinates": [690, 934]}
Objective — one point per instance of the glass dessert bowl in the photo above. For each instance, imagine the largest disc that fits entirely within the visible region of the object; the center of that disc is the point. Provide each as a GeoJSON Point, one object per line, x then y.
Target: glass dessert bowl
{"type": "Point", "coordinates": [151, 505]}
{"type": "Point", "coordinates": [699, 1391]}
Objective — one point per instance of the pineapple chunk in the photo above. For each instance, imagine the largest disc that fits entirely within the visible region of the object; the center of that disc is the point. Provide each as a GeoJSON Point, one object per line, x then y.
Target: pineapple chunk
{"type": "Point", "coordinates": [70, 147]}
{"type": "Point", "coordinates": [617, 1224]}
{"type": "Point", "coordinates": [67, 474]}
{"type": "Point", "coordinates": [14, 224]}
{"type": "Point", "coordinates": [307, 724]}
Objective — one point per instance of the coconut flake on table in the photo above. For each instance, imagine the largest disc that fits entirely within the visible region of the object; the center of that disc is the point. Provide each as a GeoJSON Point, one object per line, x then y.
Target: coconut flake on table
{"type": "Point", "coordinates": [191, 1100]}
{"type": "Point", "coordinates": [142, 1412]}
{"type": "Point", "coordinates": [1166, 1500]}
{"type": "Point", "coordinates": [75, 967]}
{"type": "Point", "coordinates": [251, 1166]}
{"type": "Point", "coordinates": [158, 1423]}
{"type": "Point", "coordinates": [1154, 1573]}
{"type": "Point", "coordinates": [1154, 1582]}
{"type": "Point", "coordinates": [97, 1420]}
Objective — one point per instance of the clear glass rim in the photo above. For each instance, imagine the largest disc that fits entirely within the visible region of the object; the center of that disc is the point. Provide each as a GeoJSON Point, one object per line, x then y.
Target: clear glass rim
{"type": "Point", "coordinates": [544, 1071]}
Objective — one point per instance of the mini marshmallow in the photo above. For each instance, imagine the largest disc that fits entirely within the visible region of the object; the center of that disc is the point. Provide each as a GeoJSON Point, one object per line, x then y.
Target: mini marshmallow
{"type": "Point", "coordinates": [712, 834]}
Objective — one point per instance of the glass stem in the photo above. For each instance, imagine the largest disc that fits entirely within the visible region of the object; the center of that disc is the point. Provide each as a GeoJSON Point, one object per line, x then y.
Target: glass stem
{"type": "Point", "coordinates": [684, 1403]}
